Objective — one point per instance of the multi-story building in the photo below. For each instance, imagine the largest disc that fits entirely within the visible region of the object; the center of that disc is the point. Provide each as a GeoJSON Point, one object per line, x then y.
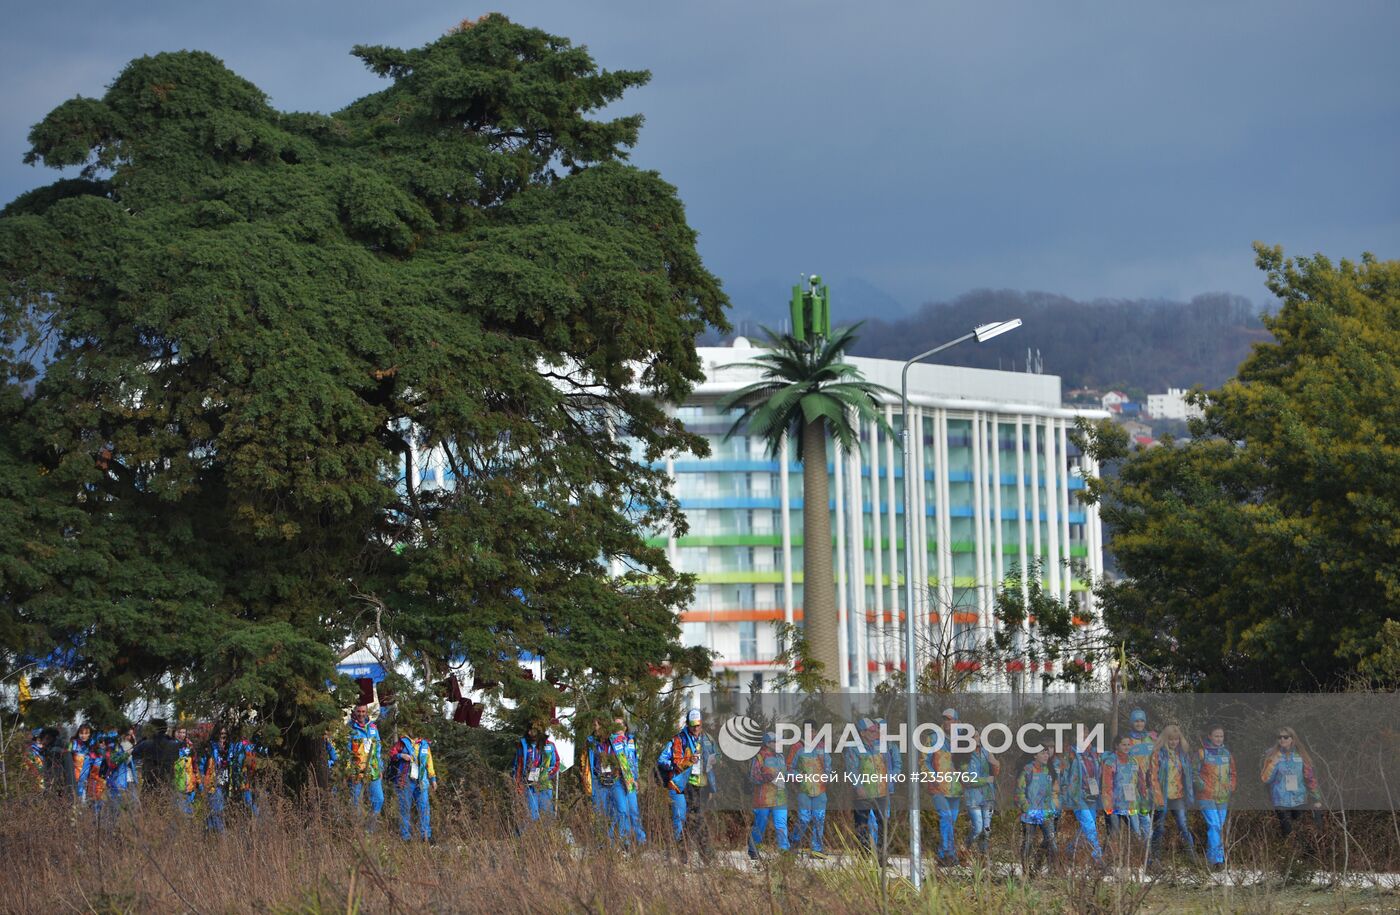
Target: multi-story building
{"type": "Point", "coordinates": [998, 482]}
{"type": "Point", "coordinates": [1172, 405]}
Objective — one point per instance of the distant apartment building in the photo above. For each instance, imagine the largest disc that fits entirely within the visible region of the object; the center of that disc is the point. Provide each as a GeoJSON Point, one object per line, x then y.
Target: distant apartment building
{"type": "Point", "coordinates": [998, 482]}
{"type": "Point", "coordinates": [1171, 405]}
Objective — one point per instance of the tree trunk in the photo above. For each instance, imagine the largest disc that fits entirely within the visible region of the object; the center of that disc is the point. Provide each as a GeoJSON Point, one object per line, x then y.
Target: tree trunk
{"type": "Point", "coordinates": [818, 580]}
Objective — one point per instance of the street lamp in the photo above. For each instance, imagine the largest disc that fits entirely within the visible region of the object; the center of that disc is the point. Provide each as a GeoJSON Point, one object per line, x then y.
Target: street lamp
{"type": "Point", "coordinates": [982, 333]}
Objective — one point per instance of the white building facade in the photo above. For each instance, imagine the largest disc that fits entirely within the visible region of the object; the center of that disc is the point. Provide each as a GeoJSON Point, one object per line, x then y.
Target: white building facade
{"type": "Point", "coordinates": [1172, 405]}
{"type": "Point", "coordinates": [998, 486]}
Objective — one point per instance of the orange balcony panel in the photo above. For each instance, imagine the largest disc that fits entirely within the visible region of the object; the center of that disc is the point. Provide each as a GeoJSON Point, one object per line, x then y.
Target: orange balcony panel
{"type": "Point", "coordinates": [737, 616]}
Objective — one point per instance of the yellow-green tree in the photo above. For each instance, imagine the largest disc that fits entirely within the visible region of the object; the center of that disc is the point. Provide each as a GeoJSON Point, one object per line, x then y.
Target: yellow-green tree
{"type": "Point", "coordinates": [1265, 552]}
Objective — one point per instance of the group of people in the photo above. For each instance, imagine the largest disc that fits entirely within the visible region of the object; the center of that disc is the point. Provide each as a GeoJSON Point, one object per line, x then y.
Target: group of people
{"type": "Point", "coordinates": [1146, 779]}
{"type": "Point", "coordinates": [108, 771]}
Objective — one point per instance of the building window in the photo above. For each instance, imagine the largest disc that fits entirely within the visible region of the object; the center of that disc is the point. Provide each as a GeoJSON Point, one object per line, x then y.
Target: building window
{"type": "Point", "coordinates": [748, 641]}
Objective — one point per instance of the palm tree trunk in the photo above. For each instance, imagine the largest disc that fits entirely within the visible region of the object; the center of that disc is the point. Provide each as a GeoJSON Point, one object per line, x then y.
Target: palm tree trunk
{"type": "Point", "coordinates": [818, 580]}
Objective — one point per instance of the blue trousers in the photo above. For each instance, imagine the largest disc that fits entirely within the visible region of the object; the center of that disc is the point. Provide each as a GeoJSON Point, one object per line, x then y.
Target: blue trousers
{"type": "Point", "coordinates": [624, 813]}
{"type": "Point", "coordinates": [540, 802]}
{"type": "Point", "coordinates": [688, 813]}
{"type": "Point", "coordinates": [947, 810]}
{"type": "Point", "coordinates": [1215, 832]}
{"type": "Point", "coordinates": [872, 817]}
{"type": "Point", "coordinates": [185, 801]}
{"type": "Point", "coordinates": [1088, 820]}
{"type": "Point", "coordinates": [980, 817]}
{"type": "Point", "coordinates": [1177, 809]}
{"type": "Point", "coordinates": [634, 806]}
{"type": "Point", "coordinates": [414, 795]}
{"type": "Point", "coordinates": [761, 817]}
{"type": "Point", "coordinates": [376, 797]}
{"type": "Point", "coordinates": [215, 820]}
{"type": "Point", "coordinates": [811, 818]}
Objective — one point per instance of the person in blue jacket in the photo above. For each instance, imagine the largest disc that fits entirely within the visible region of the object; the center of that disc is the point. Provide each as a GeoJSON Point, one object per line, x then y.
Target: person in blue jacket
{"type": "Point", "coordinates": [214, 778]}
{"type": "Point", "coordinates": [810, 763]}
{"type": "Point", "coordinates": [536, 771]}
{"type": "Point", "coordinates": [365, 762]}
{"type": "Point", "coordinates": [1077, 773]}
{"type": "Point", "coordinates": [414, 777]}
{"type": "Point", "coordinates": [876, 769]}
{"type": "Point", "coordinates": [687, 765]}
{"type": "Point", "coordinates": [1288, 772]}
{"type": "Point", "coordinates": [618, 770]}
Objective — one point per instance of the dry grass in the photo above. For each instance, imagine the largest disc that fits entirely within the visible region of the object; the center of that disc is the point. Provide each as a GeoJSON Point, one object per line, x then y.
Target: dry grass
{"type": "Point", "coordinates": [312, 856]}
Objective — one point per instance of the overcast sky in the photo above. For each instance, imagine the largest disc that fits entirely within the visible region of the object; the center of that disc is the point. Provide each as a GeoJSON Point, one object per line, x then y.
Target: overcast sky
{"type": "Point", "coordinates": [910, 151]}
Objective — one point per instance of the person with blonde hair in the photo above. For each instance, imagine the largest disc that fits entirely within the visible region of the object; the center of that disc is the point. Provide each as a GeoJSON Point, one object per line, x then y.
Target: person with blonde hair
{"type": "Point", "coordinates": [1288, 771]}
{"type": "Point", "coordinates": [1170, 779]}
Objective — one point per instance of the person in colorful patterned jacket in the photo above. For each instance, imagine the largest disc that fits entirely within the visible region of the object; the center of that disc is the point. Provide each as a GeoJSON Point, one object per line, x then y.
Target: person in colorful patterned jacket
{"type": "Point", "coordinates": [588, 771]}
{"type": "Point", "coordinates": [945, 788]}
{"type": "Point", "coordinates": [414, 778]}
{"type": "Point", "coordinates": [768, 775]}
{"type": "Point", "coordinates": [687, 764]}
{"type": "Point", "coordinates": [618, 766]}
{"type": "Point", "coordinates": [1143, 741]}
{"type": "Point", "coordinates": [119, 772]}
{"type": "Point", "coordinates": [84, 753]}
{"type": "Point", "coordinates": [214, 777]}
{"type": "Point", "coordinates": [1038, 798]}
{"type": "Point", "coordinates": [184, 776]}
{"type": "Point", "coordinates": [980, 794]}
{"type": "Point", "coordinates": [1213, 772]}
{"type": "Point", "coordinates": [39, 741]}
{"type": "Point", "coordinates": [875, 767]}
{"type": "Point", "coordinates": [1124, 792]}
{"type": "Point", "coordinates": [1170, 777]}
{"type": "Point", "coordinates": [242, 763]}
{"type": "Point", "coordinates": [536, 771]}
{"type": "Point", "coordinates": [365, 762]}
{"type": "Point", "coordinates": [1288, 771]}
{"type": "Point", "coordinates": [1077, 771]}
{"type": "Point", "coordinates": [810, 762]}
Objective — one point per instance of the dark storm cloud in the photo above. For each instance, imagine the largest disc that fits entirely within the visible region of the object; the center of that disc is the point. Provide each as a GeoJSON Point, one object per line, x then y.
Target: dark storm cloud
{"type": "Point", "coordinates": [907, 150]}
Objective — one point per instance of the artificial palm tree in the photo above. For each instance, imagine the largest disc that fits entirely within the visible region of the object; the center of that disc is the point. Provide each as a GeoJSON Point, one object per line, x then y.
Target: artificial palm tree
{"type": "Point", "coordinates": [808, 391]}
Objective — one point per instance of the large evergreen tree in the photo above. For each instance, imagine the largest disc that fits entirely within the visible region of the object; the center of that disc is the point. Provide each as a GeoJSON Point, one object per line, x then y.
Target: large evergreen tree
{"type": "Point", "coordinates": [224, 341]}
{"type": "Point", "coordinates": [1265, 552]}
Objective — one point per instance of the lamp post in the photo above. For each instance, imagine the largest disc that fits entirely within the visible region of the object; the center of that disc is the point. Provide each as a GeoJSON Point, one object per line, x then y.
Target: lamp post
{"type": "Point", "coordinates": [982, 333]}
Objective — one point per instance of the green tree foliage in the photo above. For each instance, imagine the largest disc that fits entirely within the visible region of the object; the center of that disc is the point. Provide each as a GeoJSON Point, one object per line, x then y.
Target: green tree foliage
{"type": "Point", "coordinates": [224, 341]}
{"type": "Point", "coordinates": [1263, 553]}
{"type": "Point", "coordinates": [809, 392]}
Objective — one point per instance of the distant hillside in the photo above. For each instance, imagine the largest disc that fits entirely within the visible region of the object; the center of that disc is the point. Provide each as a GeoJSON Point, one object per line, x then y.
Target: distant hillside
{"type": "Point", "coordinates": [1138, 345]}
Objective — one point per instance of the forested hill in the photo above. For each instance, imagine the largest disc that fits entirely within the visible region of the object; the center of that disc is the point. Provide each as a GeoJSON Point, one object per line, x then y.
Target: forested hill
{"type": "Point", "coordinates": [1134, 345]}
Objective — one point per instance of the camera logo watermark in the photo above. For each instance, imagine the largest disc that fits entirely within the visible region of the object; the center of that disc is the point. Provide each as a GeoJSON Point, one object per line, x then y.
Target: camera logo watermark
{"type": "Point", "coordinates": [740, 738]}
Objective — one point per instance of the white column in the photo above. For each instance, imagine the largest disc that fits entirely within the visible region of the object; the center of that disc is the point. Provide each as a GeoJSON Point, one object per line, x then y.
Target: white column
{"type": "Point", "coordinates": [920, 561]}
{"type": "Point", "coordinates": [1021, 524]}
{"type": "Point", "coordinates": [856, 540]}
{"type": "Point", "coordinates": [980, 529]}
{"type": "Point", "coordinates": [672, 548]}
{"type": "Point", "coordinates": [1063, 471]}
{"type": "Point", "coordinates": [1052, 510]}
{"type": "Point", "coordinates": [1033, 456]}
{"type": "Point", "coordinates": [945, 525]}
{"type": "Point", "coordinates": [896, 643]}
{"type": "Point", "coordinates": [786, 511]}
{"type": "Point", "coordinates": [878, 646]}
{"type": "Point", "coordinates": [998, 558]}
{"type": "Point", "coordinates": [843, 663]}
